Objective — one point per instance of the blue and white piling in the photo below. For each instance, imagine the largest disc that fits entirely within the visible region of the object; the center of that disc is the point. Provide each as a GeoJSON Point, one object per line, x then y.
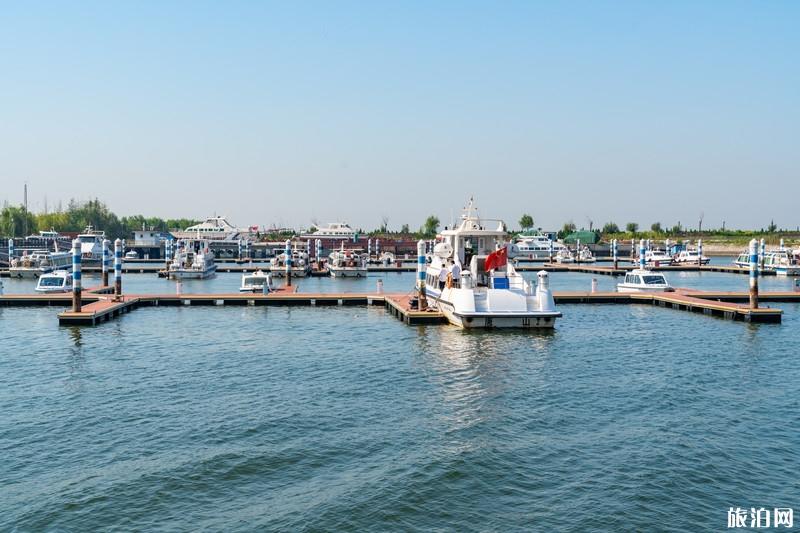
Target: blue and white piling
{"type": "Point", "coordinates": [753, 274]}
{"type": "Point", "coordinates": [763, 254]}
{"type": "Point", "coordinates": [167, 254]}
{"type": "Point", "coordinates": [10, 251]}
{"type": "Point", "coordinates": [241, 250]}
{"type": "Point", "coordinates": [369, 248]}
{"type": "Point", "coordinates": [118, 269]}
{"type": "Point", "coordinates": [699, 252]}
{"type": "Point", "coordinates": [782, 248]}
{"type": "Point", "coordinates": [106, 261]}
{"type": "Point", "coordinates": [614, 252]}
{"type": "Point", "coordinates": [642, 261]}
{"type": "Point", "coordinates": [318, 252]}
{"type": "Point", "coordinates": [551, 250]}
{"type": "Point", "coordinates": [377, 248]}
{"type": "Point", "coordinates": [288, 262]}
{"type": "Point", "coordinates": [423, 301]}
{"type": "Point", "coordinates": [76, 276]}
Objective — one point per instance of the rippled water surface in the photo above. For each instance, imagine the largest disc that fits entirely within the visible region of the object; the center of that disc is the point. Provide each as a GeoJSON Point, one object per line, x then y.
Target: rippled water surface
{"type": "Point", "coordinates": [253, 418]}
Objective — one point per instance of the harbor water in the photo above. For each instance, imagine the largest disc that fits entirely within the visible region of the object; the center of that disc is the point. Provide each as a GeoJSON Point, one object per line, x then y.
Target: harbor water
{"type": "Point", "coordinates": [625, 417]}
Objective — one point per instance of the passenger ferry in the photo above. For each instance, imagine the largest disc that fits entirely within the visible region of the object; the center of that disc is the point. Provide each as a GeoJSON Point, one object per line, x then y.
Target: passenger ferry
{"type": "Point", "coordinates": [782, 262]}
{"type": "Point", "coordinates": [690, 257]}
{"type": "Point", "coordinates": [216, 228]}
{"type": "Point", "coordinates": [534, 245]}
{"type": "Point", "coordinates": [643, 280]}
{"type": "Point", "coordinates": [194, 261]}
{"type": "Point", "coordinates": [334, 230]}
{"type": "Point", "coordinates": [489, 292]}
{"type": "Point", "coordinates": [256, 281]}
{"type": "Point", "coordinates": [347, 264]}
{"type": "Point", "coordinates": [38, 263]}
{"type": "Point", "coordinates": [54, 282]}
{"type": "Point", "coordinates": [301, 266]}
{"type": "Point", "coordinates": [91, 245]}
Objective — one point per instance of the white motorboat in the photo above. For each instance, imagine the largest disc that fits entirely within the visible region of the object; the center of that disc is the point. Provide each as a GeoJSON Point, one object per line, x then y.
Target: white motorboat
{"type": "Point", "coordinates": [689, 257]}
{"type": "Point", "coordinates": [301, 266]}
{"type": "Point", "coordinates": [489, 292]}
{"type": "Point", "coordinates": [643, 280]}
{"type": "Point", "coordinates": [334, 230]}
{"type": "Point", "coordinates": [781, 262]}
{"type": "Point", "coordinates": [564, 255]}
{"type": "Point", "coordinates": [91, 245]}
{"type": "Point", "coordinates": [54, 282]}
{"type": "Point", "coordinates": [347, 264]}
{"type": "Point", "coordinates": [585, 255]}
{"type": "Point", "coordinates": [38, 263]}
{"type": "Point", "coordinates": [657, 258]}
{"type": "Point", "coordinates": [534, 245]}
{"type": "Point", "coordinates": [255, 282]}
{"type": "Point", "coordinates": [192, 260]}
{"type": "Point", "coordinates": [131, 255]}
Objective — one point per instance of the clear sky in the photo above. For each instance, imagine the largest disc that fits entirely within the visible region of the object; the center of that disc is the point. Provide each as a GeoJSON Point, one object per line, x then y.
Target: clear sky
{"type": "Point", "coordinates": [280, 113]}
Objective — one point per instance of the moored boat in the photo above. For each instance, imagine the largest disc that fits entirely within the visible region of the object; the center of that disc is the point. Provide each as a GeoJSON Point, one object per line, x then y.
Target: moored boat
{"type": "Point", "coordinates": [256, 282]}
{"type": "Point", "coordinates": [643, 280]}
{"type": "Point", "coordinates": [192, 260]}
{"type": "Point", "coordinates": [487, 292]}
{"type": "Point", "coordinates": [689, 257]}
{"type": "Point", "coordinates": [55, 282]}
{"type": "Point", "coordinates": [347, 264]}
{"type": "Point", "coordinates": [657, 258]}
{"type": "Point", "coordinates": [38, 263]}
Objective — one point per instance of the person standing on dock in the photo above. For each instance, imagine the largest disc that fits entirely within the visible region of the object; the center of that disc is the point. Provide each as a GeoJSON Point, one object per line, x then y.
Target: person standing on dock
{"type": "Point", "coordinates": [455, 273]}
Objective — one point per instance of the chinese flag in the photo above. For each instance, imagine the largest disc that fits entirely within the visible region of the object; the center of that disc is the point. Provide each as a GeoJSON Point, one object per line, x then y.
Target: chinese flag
{"type": "Point", "coordinates": [496, 259]}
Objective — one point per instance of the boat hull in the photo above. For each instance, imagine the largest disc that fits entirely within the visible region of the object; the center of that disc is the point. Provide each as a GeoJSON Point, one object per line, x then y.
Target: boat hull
{"type": "Point", "coordinates": [621, 288]}
{"type": "Point", "coordinates": [296, 273]}
{"type": "Point", "coordinates": [494, 320]}
{"type": "Point", "coordinates": [348, 272]}
{"type": "Point", "coordinates": [192, 274]}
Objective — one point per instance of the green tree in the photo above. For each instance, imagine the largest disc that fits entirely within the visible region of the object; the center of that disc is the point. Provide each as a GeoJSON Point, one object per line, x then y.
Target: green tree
{"type": "Point", "coordinates": [632, 227]}
{"type": "Point", "coordinates": [431, 226]}
{"type": "Point", "coordinates": [610, 227]}
{"type": "Point", "coordinates": [566, 229]}
{"type": "Point", "coordinates": [404, 229]}
{"type": "Point", "coordinates": [656, 227]}
{"type": "Point", "coordinates": [15, 221]}
{"type": "Point", "coordinates": [526, 221]}
{"type": "Point", "coordinates": [772, 227]}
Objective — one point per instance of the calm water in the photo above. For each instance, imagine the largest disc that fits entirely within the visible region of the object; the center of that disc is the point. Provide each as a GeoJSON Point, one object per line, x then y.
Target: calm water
{"type": "Point", "coordinates": [231, 418]}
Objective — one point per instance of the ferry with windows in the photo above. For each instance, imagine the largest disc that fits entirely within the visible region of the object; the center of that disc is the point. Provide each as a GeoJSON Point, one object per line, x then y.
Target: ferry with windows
{"type": "Point", "coordinates": [38, 263]}
{"type": "Point", "coordinates": [534, 245]}
{"type": "Point", "coordinates": [216, 228]}
{"type": "Point", "coordinates": [488, 292]}
{"type": "Point", "coordinates": [643, 280]}
{"type": "Point", "coordinates": [334, 230]}
{"type": "Point", "coordinates": [782, 262]}
{"type": "Point", "coordinates": [55, 282]}
{"type": "Point", "coordinates": [193, 260]}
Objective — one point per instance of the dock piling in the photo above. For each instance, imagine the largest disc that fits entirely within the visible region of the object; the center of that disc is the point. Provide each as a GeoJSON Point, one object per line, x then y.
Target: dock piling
{"type": "Point", "coordinates": [423, 302]}
{"type": "Point", "coordinates": [106, 261]}
{"type": "Point", "coordinates": [614, 253]}
{"type": "Point", "coordinates": [642, 261]}
{"type": "Point", "coordinates": [118, 269]}
{"type": "Point", "coordinates": [288, 252]}
{"type": "Point", "coordinates": [753, 275]}
{"type": "Point", "coordinates": [76, 276]}
{"type": "Point", "coordinates": [10, 250]}
{"type": "Point", "coordinates": [763, 253]}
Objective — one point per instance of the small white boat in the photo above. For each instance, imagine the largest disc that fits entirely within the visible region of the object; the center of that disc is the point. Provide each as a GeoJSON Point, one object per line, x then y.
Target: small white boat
{"type": "Point", "coordinates": [657, 258]}
{"type": "Point", "coordinates": [781, 262]}
{"type": "Point", "coordinates": [131, 255]}
{"type": "Point", "coordinates": [53, 282]}
{"type": "Point", "coordinates": [347, 264]}
{"type": "Point", "coordinates": [643, 280]}
{"type": "Point", "coordinates": [689, 257]}
{"type": "Point", "coordinates": [39, 263]}
{"type": "Point", "coordinates": [193, 264]}
{"type": "Point", "coordinates": [585, 255]}
{"type": "Point", "coordinates": [91, 245]}
{"type": "Point", "coordinates": [255, 282]}
{"type": "Point", "coordinates": [565, 255]}
{"type": "Point", "coordinates": [301, 266]}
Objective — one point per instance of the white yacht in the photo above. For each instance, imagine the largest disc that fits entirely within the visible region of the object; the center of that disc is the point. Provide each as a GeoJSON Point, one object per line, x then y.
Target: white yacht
{"type": "Point", "coordinates": [781, 262]}
{"type": "Point", "coordinates": [301, 266]}
{"type": "Point", "coordinates": [193, 261]}
{"type": "Point", "coordinates": [564, 255]}
{"type": "Point", "coordinates": [53, 282]}
{"type": "Point", "coordinates": [534, 245]}
{"type": "Point", "coordinates": [643, 280]}
{"type": "Point", "coordinates": [38, 263]}
{"type": "Point", "coordinates": [493, 297]}
{"type": "Point", "coordinates": [585, 255]}
{"type": "Point", "coordinates": [91, 245]}
{"type": "Point", "coordinates": [214, 229]}
{"type": "Point", "coordinates": [334, 230]}
{"type": "Point", "coordinates": [255, 282]}
{"type": "Point", "coordinates": [657, 258]}
{"type": "Point", "coordinates": [690, 257]}
{"type": "Point", "coordinates": [347, 264]}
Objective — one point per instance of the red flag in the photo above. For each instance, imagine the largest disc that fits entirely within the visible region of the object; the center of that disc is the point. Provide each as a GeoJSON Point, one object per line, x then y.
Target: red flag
{"type": "Point", "coordinates": [496, 259]}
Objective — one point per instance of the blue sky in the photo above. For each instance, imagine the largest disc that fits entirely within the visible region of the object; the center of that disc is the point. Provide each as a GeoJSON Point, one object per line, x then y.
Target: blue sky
{"type": "Point", "coordinates": [280, 113]}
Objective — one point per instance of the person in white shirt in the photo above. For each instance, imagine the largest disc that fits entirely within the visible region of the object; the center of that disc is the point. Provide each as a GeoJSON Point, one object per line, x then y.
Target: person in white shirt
{"type": "Point", "coordinates": [442, 278]}
{"type": "Point", "coordinates": [455, 272]}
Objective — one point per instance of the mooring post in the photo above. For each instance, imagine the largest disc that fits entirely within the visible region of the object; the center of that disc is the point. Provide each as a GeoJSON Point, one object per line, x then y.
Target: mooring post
{"type": "Point", "coordinates": [106, 261]}
{"type": "Point", "coordinates": [633, 249]}
{"type": "Point", "coordinates": [699, 252]}
{"type": "Point", "coordinates": [551, 249]}
{"type": "Point", "coordinates": [377, 247]}
{"type": "Point", "coordinates": [577, 250]}
{"type": "Point", "coordinates": [782, 246]}
{"type": "Point", "coordinates": [319, 254]}
{"type": "Point", "coordinates": [753, 274]}
{"type": "Point", "coordinates": [423, 301]}
{"type": "Point", "coordinates": [594, 285]}
{"type": "Point", "coordinates": [10, 250]}
{"type": "Point", "coordinates": [369, 248]}
{"type": "Point", "coordinates": [288, 262]}
{"type": "Point", "coordinates": [642, 261]}
{"type": "Point", "coordinates": [76, 276]}
{"type": "Point", "coordinates": [614, 252]}
{"type": "Point", "coordinates": [167, 254]}
{"type": "Point", "coordinates": [763, 253]}
{"type": "Point", "coordinates": [118, 269]}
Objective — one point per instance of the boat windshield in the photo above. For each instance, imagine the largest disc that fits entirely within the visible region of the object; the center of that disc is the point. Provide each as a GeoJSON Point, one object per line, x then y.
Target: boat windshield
{"type": "Point", "coordinates": [654, 280]}
{"type": "Point", "coordinates": [51, 281]}
{"type": "Point", "coordinates": [87, 238]}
